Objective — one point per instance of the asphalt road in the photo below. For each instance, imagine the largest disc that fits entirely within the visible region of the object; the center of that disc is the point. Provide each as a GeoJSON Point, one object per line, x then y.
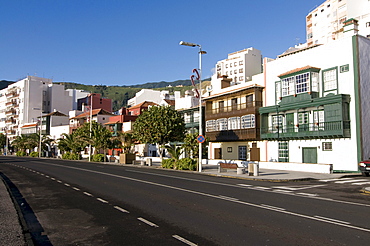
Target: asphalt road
{"type": "Point", "coordinates": [77, 203]}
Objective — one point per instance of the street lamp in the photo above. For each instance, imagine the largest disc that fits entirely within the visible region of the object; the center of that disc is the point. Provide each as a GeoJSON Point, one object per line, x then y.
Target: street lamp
{"type": "Point", "coordinates": [201, 52]}
{"type": "Point", "coordinates": [40, 125]}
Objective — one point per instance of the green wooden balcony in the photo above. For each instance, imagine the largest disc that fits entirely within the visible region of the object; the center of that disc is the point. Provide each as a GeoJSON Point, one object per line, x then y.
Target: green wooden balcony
{"type": "Point", "coordinates": [334, 129]}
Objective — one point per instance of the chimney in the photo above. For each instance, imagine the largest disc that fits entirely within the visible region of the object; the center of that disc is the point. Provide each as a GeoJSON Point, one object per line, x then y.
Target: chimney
{"type": "Point", "coordinates": [350, 27]}
{"type": "Point", "coordinates": [225, 82]}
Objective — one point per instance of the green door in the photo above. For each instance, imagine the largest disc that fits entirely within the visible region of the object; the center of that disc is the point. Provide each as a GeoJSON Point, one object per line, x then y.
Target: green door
{"type": "Point", "coordinates": [309, 155]}
{"type": "Point", "coordinates": [289, 122]}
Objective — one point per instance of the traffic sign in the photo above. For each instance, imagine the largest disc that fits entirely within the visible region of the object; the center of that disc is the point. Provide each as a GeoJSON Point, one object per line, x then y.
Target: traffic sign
{"type": "Point", "coordinates": [201, 139]}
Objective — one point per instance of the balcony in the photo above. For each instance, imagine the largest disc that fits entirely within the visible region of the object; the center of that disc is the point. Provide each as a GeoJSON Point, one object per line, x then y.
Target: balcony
{"type": "Point", "coordinates": [334, 129]}
{"type": "Point", "coordinates": [12, 94]}
{"type": "Point", "coordinates": [233, 110]}
{"type": "Point", "coordinates": [11, 112]}
{"type": "Point", "coordinates": [234, 135]}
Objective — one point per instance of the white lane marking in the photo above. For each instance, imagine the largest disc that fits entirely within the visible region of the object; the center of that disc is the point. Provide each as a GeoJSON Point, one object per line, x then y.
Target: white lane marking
{"type": "Point", "coordinates": [101, 200]}
{"type": "Point", "coordinates": [121, 209]}
{"type": "Point", "coordinates": [306, 194]}
{"type": "Point", "coordinates": [272, 207]}
{"type": "Point", "coordinates": [228, 198]}
{"type": "Point", "coordinates": [351, 181]}
{"type": "Point", "coordinates": [59, 181]}
{"type": "Point", "coordinates": [88, 194]}
{"type": "Point", "coordinates": [147, 222]}
{"type": "Point", "coordinates": [283, 191]}
{"type": "Point", "coordinates": [68, 185]}
{"type": "Point", "coordinates": [329, 180]}
{"type": "Point", "coordinates": [245, 185]}
{"type": "Point", "coordinates": [42, 174]}
{"type": "Point", "coordinates": [260, 188]}
{"type": "Point", "coordinates": [181, 239]}
{"type": "Point", "coordinates": [217, 197]}
{"type": "Point", "coordinates": [360, 183]}
{"type": "Point", "coordinates": [75, 188]}
{"type": "Point", "coordinates": [47, 176]}
{"type": "Point", "coordinates": [303, 187]}
{"type": "Point", "coordinates": [52, 178]}
{"type": "Point", "coordinates": [334, 220]}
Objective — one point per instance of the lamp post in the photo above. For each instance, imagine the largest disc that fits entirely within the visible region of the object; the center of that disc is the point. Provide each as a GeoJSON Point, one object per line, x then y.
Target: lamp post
{"type": "Point", "coordinates": [199, 73]}
{"type": "Point", "coordinates": [40, 126]}
{"type": "Point", "coordinates": [90, 121]}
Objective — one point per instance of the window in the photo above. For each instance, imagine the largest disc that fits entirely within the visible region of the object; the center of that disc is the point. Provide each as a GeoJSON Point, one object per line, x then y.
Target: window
{"type": "Point", "coordinates": [327, 146]}
{"type": "Point", "coordinates": [277, 122]}
{"type": "Point", "coordinates": [235, 64]}
{"type": "Point", "coordinates": [241, 78]}
{"type": "Point", "coordinates": [234, 123]}
{"type": "Point", "coordinates": [234, 103]}
{"type": "Point", "coordinates": [221, 106]}
{"type": "Point", "coordinates": [318, 120]}
{"type": "Point", "coordinates": [287, 86]}
{"type": "Point", "coordinates": [240, 70]}
{"type": "Point", "coordinates": [221, 124]}
{"type": "Point", "coordinates": [249, 100]}
{"type": "Point", "coordinates": [187, 118]}
{"type": "Point", "coordinates": [196, 116]}
{"type": "Point", "coordinates": [302, 83]}
{"type": "Point", "coordinates": [283, 152]}
{"type": "Point", "coordinates": [344, 68]}
{"type": "Point", "coordinates": [240, 62]}
{"type": "Point", "coordinates": [315, 81]}
{"type": "Point", "coordinates": [330, 79]}
{"type": "Point", "coordinates": [248, 121]}
{"type": "Point", "coordinates": [210, 125]}
{"type": "Point", "coordinates": [242, 152]}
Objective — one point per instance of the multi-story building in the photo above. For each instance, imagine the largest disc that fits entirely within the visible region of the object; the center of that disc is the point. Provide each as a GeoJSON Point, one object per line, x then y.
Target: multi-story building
{"type": "Point", "coordinates": [158, 97]}
{"type": "Point", "coordinates": [239, 66]}
{"type": "Point", "coordinates": [316, 104]}
{"type": "Point", "coordinates": [26, 100]}
{"type": "Point", "coordinates": [232, 120]}
{"type": "Point", "coordinates": [326, 22]}
{"type": "Point", "coordinates": [96, 101]}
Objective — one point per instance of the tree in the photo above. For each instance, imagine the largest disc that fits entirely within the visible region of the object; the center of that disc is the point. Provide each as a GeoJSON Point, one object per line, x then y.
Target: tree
{"type": "Point", "coordinates": [159, 125]}
{"type": "Point", "coordinates": [71, 142]}
{"type": "Point", "coordinates": [191, 145]}
{"type": "Point", "coordinates": [2, 140]}
{"type": "Point", "coordinates": [101, 137]}
{"type": "Point", "coordinates": [124, 140]}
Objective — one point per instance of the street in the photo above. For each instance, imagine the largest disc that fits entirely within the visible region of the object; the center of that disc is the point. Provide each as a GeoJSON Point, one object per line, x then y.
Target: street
{"type": "Point", "coordinates": [80, 203]}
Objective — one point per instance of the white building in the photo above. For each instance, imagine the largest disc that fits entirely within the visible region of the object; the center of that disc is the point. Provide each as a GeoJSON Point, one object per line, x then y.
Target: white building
{"type": "Point", "coordinates": [316, 105]}
{"type": "Point", "coordinates": [23, 102]}
{"type": "Point", "coordinates": [239, 66]}
{"type": "Point", "coordinates": [149, 95]}
{"type": "Point", "coordinates": [326, 22]}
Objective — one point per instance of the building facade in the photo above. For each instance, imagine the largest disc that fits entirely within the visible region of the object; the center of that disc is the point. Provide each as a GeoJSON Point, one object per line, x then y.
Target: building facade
{"type": "Point", "coordinates": [316, 107]}
{"type": "Point", "coordinates": [326, 22]}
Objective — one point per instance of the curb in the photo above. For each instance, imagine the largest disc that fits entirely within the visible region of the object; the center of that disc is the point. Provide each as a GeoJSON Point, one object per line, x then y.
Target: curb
{"type": "Point", "coordinates": [366, 190]}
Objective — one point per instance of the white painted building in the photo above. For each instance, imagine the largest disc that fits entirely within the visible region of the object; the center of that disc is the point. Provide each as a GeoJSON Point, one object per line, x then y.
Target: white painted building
{"type": "Point", "coordinates": [326, 22]}
{"type": "Point", "coordinates": [239, 66]}
{"type": "Point", "coordinates": [316, 105]}
{"type": "Point", "coordinates": [149, 95]}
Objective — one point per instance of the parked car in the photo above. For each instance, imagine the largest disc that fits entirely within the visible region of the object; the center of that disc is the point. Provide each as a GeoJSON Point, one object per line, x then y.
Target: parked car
{"type": "Point", "coordinates": [365, 167]}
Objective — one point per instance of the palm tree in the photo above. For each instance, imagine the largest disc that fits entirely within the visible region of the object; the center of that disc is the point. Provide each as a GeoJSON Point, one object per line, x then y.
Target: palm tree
{"type": "Point", "coordinates": [71, 142]}
{"type": "Point", "coordinates": [20, 142]}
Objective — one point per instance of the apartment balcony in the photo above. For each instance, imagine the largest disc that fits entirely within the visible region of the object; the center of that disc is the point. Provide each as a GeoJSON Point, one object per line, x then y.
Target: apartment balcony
{"type": "Point", "coordinates": [11, 112]}
{"type": "Point", "coordinates": [233, 110]}
{"type": "Point", "coordinates": [11, 132]}
{"type": "Point", "coordinates": [10, 121]}
{"type": "Point", "coordinates": [251, 134]}
{"type": "Point", "coordinates": [334, 129]}
{"type": "Point", "coordinates": [12, 94]}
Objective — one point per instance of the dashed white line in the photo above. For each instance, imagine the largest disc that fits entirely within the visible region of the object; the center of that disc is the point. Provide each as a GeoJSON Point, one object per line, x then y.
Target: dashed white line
{"type": "Point", "coordinates": [53, 178]}
{"type": "Point", "coordinates": [101, 200]}
{"type": "Point", "coordinates": [260, 188]}
{"type": "Point", "coordinates": [307, 194]}
{"type": "Point", "coordinates": [47, 176]}
{"type": "Point", "coordinates": [75, 188]}
{"type": "Point", "coordinates": [228, 198]}
{"type": "Point", "coordinates": [328, 180]}
{"type": "Point", "coordinates": [272, 207]}
{"type": "Point", "coordinates": [245, 185]}
{"type": "Point", "coordinates": [334, 220]}
{"type": "Point", "coordinates": [147, 222]}
{"type": "Point", "coordinates": [59, 181]}
{"type": "Point", "coordinates": [67, 184]}
{"type": "Point", "coordinates": [351, 181]}
{"type": "Point", "coordinates": [88, 194]}
{"type": "Point", "coordinates": [121, 209]}
{"type": "Point", "coordinates": [283, 191]}
{"type": "Point", "coordinates": [184, 240]}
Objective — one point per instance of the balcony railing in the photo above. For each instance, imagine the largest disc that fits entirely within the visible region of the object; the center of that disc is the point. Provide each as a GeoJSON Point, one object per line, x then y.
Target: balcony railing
{"type": "Point", "coordinates": [335, 129]}
{"type": "Point", "coordinates": [233, 110]}
{"type": "Point", "coordinates": [234, 135]}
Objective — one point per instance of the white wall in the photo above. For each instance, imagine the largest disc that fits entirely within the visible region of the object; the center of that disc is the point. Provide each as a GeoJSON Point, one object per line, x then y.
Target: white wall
{"type": "Point", "coordinates": [337, 53]}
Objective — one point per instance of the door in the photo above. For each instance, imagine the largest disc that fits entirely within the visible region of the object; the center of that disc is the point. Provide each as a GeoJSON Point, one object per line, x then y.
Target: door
{"type": "Point", "coordinates": [218, 153]}
{"type": "Point", "coordinates": [289, 122]}
{"type": "Point", "coordinates": [242, 155]}
{"type": "Point", "coordinates": [309, 155]}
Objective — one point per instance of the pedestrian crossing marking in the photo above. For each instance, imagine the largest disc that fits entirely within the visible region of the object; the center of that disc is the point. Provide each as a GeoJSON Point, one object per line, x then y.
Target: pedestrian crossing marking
{"type": "Point", "coordinates": [352, 181]}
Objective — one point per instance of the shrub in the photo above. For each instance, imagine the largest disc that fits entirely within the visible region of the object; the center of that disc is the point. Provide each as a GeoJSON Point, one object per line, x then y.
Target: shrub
{"type": "Point", "coordinates": [20, 153]}
{"type": "Point", "coordinates": [34, 154]}
{"type": "Point", "coordinates": [66, 156]}
{"type": "Point", "coordinates": [75, 156]}
{"type": "Point", "coordinates": [168, 163]}
{"type": "Point", "coordinates": [186, 164]}
{"type": "Point", "coordinates": [98, 158]}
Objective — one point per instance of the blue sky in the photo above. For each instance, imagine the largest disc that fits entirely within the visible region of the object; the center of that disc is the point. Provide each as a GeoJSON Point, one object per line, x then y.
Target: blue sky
{"type": "Point", "coordinates": [126, 42]}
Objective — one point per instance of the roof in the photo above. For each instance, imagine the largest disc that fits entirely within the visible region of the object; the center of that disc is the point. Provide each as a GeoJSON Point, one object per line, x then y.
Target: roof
{"type": "Point", "coordinates": [169, 102]}
{"type": "Point", "coordinates": [111, 122]}
{"type": "Point", "coordinates": [56, 113]}
{"type": "Point", "coordinates": [233, 91]}
{"type": "Point", "coordinates": [293, 51]}
{"type": "Point", "coordinates": [99, 111]}
{"type": "Point", "coordinates": [143, 104]}
{"type": "Point", "coordinates": [29, 125]}
{"type": "Point", "coordinates": [298, 70]}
